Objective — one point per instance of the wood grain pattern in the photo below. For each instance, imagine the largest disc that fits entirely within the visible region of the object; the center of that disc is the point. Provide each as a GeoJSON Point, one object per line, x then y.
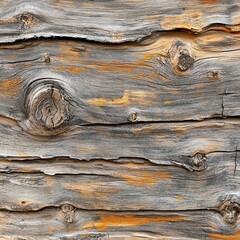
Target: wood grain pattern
{"type": "Point", "coordinates": [132, 135]}
{"type": "Point", "coordinates": [172, 77]}
{"type": "Point", "coordinates": [51, 224]}
{"type": "Point", "coordinates": [127, 184]}
{"type": "Point", "coordinates": [115, 21]}
{"type": "Point", "coordinates": [159, 143]}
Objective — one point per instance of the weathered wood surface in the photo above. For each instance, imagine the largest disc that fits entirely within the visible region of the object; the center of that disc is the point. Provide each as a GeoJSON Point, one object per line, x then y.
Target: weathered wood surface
{"type": "Point", "coordinates": [57, 223]}
{"type": "Point", "coordinates": [113, 21]}
{"type": "Point", "coordinates": [127, 184]}
{"type": "Point", "coordinates": [159, 142]}
{"type": "Point", "coordinates": [135, 140]}
{"type": "Point", "coordinates": [172, 77]}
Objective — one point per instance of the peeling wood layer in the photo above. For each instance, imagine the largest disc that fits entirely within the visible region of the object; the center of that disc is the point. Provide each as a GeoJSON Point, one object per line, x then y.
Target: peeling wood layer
{"type": "Point", "coordinates": [159, 143]}
{"type": "Point", "coordinates": [125, 128]}
{"type": "Point", "coordinates": [115, 21]}
{"type": "Point", "coordinates": [122, 185]}
{"type": "Point", "coordinates": [173, 77]}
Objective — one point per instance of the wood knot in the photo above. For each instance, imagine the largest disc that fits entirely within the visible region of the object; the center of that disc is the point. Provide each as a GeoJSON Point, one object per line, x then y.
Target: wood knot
{"type": "Point", "coordinates": [27, 19]}
{"type": "Point", "coordinates": [47, 58]}
{"type": "Point", "coordinates": [48, 106]}
{"type": "Point", "coordinates": [69, 212]}
{"type": "Point", "coordinates": [133, 117]}
{"type": "Point", "coordinates": [213, 75]}
{"type": "Point", "coordinates": [230, 210]}
{"type": "Point", "coordinates": [185, 61]}
{"type": "Point", "coordinates": [181, 57]}
{"type": "Point", "coordinates": [198, 162]}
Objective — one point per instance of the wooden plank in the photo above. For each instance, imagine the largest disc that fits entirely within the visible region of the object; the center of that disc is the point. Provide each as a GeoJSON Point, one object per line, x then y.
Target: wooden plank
{"type": "Point", "coordinates": [159, 143]}
{"type": "Point", "coordinates": [54, 223]}
{"type": "Point", "coordinates": [124, 185]}
{"type": "Point", "coordinates": [115, 21]}
{"type": "Point", "coordinates": [114, 84]}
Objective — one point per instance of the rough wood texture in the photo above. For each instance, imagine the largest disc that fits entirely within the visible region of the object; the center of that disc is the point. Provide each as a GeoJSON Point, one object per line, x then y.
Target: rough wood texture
{"type": "Point", "coordinates": [113, 21]}
{"type": "Point", "coordinates": [172, 77]}
{"type": "Point", "coordinates": [57, 223]}
{"type": "Point", "coordinates": [118, 138]}
{"type": "Point", "coordinates": [128, 184]}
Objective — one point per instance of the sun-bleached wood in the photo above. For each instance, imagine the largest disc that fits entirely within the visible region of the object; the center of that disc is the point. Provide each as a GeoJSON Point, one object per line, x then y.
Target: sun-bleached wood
{"type": "Point", "coordinates": [113, 21]}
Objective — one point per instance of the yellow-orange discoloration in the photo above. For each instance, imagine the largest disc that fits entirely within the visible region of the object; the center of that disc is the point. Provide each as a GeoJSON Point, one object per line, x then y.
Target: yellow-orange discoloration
{"type": "Point", "coordinates": [68, 53]}
{"type": "Point", "coordinates": [197, 95]}
{"type": "Point", "coordinates": [167, 102]}
{"type": "Point", "coordinates": [72, 69]}
{"type": "Point", "coordinates": [200, 86]}
{"type": "Point", "coordinates": [49, 182]}
{"type": "Point", "coordinates": [232, 236]}
{"type": "Point", "coordinates": [141, 178]}
{"type": "Point", "coordinates": [50, 229]}
{"type": "Point", "coordinates": [93, 188]}
{"type": "Point", "coordinates": [22, 154]}
{"type": "Point", "coordinates": [209, 2]}
{"type": "Point", "coordinates": [152, 18]}
{"type": "Point", "coordinates": [113, 67]}
{"type": "Point", "coordinates": [179, 197]}
{"type": "Point", "coordinates": [112, 220]}
{"type": "Point", "coordinates": [10, 57]}
{"type": "Point", "coordinates": [129, 97]}
{"type": "Point", "coordinates": [10, 87]}
{"type": "Point", "coordinates": [190, 19]}
{"type": "Point", "coordinates": [186, 127]}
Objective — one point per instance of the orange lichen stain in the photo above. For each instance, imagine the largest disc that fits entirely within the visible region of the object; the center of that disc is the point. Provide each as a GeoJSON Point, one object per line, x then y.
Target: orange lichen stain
{"type": "Point", "coordinates": [113, 220]}
{"type": "Point", "coordinates": [10, 87]}
{"type": "Point", "coordinates": [72, 69]}
{"type": "Point", "coordinates": [140, 178]}
{"type": "Point", "coordinates": [167, 102]}
{"type": "Point", "coordinates": [113, 67]}
{"type": "Point", "coordinates": [190, 19]}
{"type": "Point", "coordinates": [209, 2]}
{"type": "Point", "coordinates": [92, 189]}
{"type": "Point", "coordinates": [200, 86]}
{"type": "Point", "coordinates": [137, 97]}
{"type": "Point", "coordinates": [50, 229]}
{"type": "Point", "coordinates": [10, 57]}
{"type": "Point", "coordinates": [233, 236]}
{"type": "Point", "coordinates": [152, 18]}
{"type": "Point", "coordinates": [22, 154]}
{"type": "Point", "coordinates": [49, 181]}
{"type": "Point", "coordinates": [68, 53]}
{"type": "Point", "coordinates": [175, 92]}
{"type": "Point", "coordinates": [179, 197]}
{"type": "Point", "coordinates": [185, 127]}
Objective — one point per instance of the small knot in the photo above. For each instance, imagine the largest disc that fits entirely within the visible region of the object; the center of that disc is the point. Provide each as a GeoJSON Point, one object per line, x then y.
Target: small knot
{"type": "Point", "coordinates": [213, 75]}
{"type": "Point", "coordinates": [47, 58]}
{"type": "Point", "coordinates": [27, 19]}
{"type": "Point", "coordinates": [230, 210]}
{"type": "Point", "coordinates": [133, 117]}
{"type": "Point", "coordinates": [198, 162]}
{"type": "Point", "coordinates": [68, 211]}
{"type": "Point", "coordinates": [181, 57]}
{"type": "Point", "coordinates": [185, 61]}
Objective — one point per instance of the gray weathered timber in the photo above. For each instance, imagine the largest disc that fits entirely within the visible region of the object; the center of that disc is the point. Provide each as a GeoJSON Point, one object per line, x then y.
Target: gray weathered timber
{"type": "Point", "coordinates": [133, 135]}
{"type": "Point", "coordinates": [112, 21]}
{"type": "Point", "coordinates": [173, 77]}
{"type": "Point", "coordinates": [124, 185]}
{"type": "Point", "coordinates": [55, 224]}
{"type": "Point", "coordinates": [157, 142]}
